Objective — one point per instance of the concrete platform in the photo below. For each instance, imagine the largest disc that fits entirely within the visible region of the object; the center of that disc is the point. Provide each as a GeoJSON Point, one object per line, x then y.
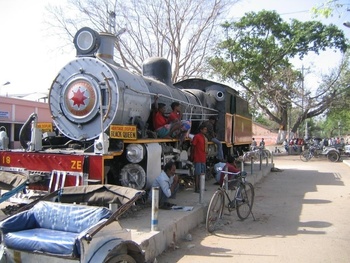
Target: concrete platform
{"type": "Point", "coordinates": [174, 225]}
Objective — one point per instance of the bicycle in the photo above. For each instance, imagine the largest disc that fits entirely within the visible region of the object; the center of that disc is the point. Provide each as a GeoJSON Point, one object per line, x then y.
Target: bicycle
{"type": "Point", "coordinates": [242, 201]}
{"type": "Point", "coordinates": [308, 154]}
{"type": "Point", "coordinates": [257, 153]}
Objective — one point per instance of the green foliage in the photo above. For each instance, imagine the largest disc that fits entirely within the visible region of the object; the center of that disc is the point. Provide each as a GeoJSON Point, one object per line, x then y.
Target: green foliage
{"type": "Point", "coordinates": [256, 55]}
{"type": "Point", "coordinates": [264, 42]}
{"type": "Point", "coordinates": [325, 12]}
{"type": "Point", "coordinates": [329, 7]}
{"type": "Point", "coordinates": [259, 118]}
{"type": "Point", "coordinates": [335, 117]}
{"type": "Point", "coordinates": [338, 111]}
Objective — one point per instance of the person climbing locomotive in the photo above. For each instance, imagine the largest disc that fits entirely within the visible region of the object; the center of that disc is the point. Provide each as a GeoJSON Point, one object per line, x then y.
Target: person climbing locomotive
{"type": "Point", "coordinates": [211, 136]}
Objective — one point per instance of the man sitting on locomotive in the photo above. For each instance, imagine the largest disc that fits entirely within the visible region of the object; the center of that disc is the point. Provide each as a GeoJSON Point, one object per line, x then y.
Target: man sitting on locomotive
{"type": "Point", "coordinates": [176, 116]}
{"type": "Point", "coordinates": [160, 122]}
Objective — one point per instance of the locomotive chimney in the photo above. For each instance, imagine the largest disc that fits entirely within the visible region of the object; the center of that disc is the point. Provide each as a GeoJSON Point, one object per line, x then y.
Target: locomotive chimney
{"type": "Point", "coordinates": [158, 68]}
{"type": "Point", "coordinates": [106, 50]}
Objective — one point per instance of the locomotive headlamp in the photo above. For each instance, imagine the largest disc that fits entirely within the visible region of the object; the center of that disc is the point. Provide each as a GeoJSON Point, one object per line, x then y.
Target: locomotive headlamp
{"type": "Point", "coordinates": [218, 95]}
{"type": "Point", "coordinates": [86, 41]}
{"type": "Point", "coordinates": [102, 144]}
{"type": "Point", "coordinates": [134, 153]}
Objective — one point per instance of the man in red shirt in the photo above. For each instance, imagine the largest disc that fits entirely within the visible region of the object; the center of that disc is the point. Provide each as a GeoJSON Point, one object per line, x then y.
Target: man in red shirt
{"type": "Point", "coordinates": [199, 154]}
{"type": "Point", "coordinates": [231, 167]}
{"type": "Point", "coordinates": [176, 114]}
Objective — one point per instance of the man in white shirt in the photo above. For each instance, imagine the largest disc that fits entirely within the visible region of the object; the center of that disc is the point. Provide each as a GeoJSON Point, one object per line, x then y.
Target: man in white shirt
{"type": "Point", "coordinates": [286, 145]}
{"type": "Point", "coordinates": [262, 144]}
{"type": "Point", "coordinates": [168, 184]}
{"type": "Point", "coordinates": [253, 145]}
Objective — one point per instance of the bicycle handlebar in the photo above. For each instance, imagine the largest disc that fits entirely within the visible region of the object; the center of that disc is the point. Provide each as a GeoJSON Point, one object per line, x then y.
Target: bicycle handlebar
{"type": "Point", "coordinates": [230, 173]}
{"type": "Point", "coordinates": [240, 177]}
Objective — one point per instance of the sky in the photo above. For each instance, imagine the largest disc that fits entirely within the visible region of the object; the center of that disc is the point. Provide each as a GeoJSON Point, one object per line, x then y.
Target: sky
{"type": "Point", "coordinates": [30, 60]}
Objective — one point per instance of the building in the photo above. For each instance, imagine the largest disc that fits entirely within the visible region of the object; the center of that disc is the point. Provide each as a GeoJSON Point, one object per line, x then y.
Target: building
{"type": "Point", "coordinates": [260, 131]}
{"type": "Point", "coordinates": [14, 113]}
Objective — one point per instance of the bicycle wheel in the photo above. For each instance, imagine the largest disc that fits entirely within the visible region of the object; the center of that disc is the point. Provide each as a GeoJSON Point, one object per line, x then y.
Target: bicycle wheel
{"type": "Point", "coordinates": [215, 210]}
{"type": "Point", "coordinates": [266, 154]}
{"type": "Point", "coordinates": [305, 155]}
{"type": "Point", "coordinates": [244, 200]}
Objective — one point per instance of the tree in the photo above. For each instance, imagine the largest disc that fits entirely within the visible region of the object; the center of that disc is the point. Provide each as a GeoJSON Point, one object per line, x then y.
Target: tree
{"type": "Point", "coordinates": [256, 55]}
{"type": "Point", "coordinates": [329, 7]}
{"type": "Point", "coordinates": [183, 31]}
{"type": "Point", "coordinates": [338, 116]}
{"type": "Point", "coordinates": [337, 123]}
{"type": "Point", "coordinates": [338, 113]}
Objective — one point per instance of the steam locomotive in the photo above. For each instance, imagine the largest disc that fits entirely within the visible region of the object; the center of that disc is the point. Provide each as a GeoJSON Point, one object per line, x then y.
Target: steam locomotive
{"type": "Point", "coordinates": [101, 114]}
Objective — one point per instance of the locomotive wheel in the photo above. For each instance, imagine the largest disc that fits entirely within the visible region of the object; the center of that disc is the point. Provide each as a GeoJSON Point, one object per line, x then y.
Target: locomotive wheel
{"type": "Point", "coordinates": [120, 259]}
{"type": "Point", "coordinates": [333, 156]}
{"type": "Point", "coordinates": [133, 175]}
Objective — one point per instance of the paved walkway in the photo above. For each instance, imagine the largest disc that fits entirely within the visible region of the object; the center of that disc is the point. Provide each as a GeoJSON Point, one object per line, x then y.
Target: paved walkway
{"type": "Point", "coordinates": [174, 224]}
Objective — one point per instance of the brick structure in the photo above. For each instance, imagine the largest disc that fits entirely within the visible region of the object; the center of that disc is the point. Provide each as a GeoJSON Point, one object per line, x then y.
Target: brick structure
{"type": "Point", "coordinates": [14, 112]}
{"type": "Point", "coordinates": [261, 131]}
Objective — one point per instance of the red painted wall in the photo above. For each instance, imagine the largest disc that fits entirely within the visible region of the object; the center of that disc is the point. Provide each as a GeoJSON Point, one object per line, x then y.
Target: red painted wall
{"type": "Point", "coordinates": [16, 111]}
{"type": "Point", "coordinates": [260, 131]}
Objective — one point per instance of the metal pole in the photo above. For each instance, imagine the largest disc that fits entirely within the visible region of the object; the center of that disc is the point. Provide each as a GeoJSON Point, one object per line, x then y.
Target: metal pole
{"type": "Point", "coordinates": [155, 208]}
{"type": "Point", "coordinates": [260, 160]}
{"type": "Point", "coordinates": [272, 158]}
{"type": "Point", "coordinates": [306, 130]}
{"type": "Point", "coordinates": [201, 187]}
{"type": "Point", "coordinates": [251, 165]}
{"type": "Point", "coordinates": [226, 178]}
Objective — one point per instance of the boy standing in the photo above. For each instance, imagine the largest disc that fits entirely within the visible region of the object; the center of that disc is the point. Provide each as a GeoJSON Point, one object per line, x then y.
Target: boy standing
{"type": "Point", "coordinates": [199, 154]}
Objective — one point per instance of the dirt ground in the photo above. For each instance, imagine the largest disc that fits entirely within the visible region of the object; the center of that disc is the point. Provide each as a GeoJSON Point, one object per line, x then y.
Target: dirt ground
{"type": "Point", "coordinates": [302, 215]}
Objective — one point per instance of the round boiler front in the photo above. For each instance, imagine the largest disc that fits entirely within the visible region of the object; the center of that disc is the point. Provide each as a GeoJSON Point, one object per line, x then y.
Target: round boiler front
{"type": "Point", "coordinates": [80, 100]}
{"type": "Point", "coordinates": [80, 90]}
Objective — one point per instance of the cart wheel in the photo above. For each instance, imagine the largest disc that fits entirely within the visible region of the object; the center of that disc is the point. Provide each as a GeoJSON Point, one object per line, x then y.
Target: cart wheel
{"type": "Point", "coordinates": [124, 258]}
{"type": "Point", "coordinates": [333, 156]}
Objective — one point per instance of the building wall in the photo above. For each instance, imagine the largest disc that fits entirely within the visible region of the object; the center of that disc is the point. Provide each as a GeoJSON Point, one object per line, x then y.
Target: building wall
{"type": "Point", "coordinates": [14, 112]}
{"type": "Point", "coordinates": [260, 131]}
